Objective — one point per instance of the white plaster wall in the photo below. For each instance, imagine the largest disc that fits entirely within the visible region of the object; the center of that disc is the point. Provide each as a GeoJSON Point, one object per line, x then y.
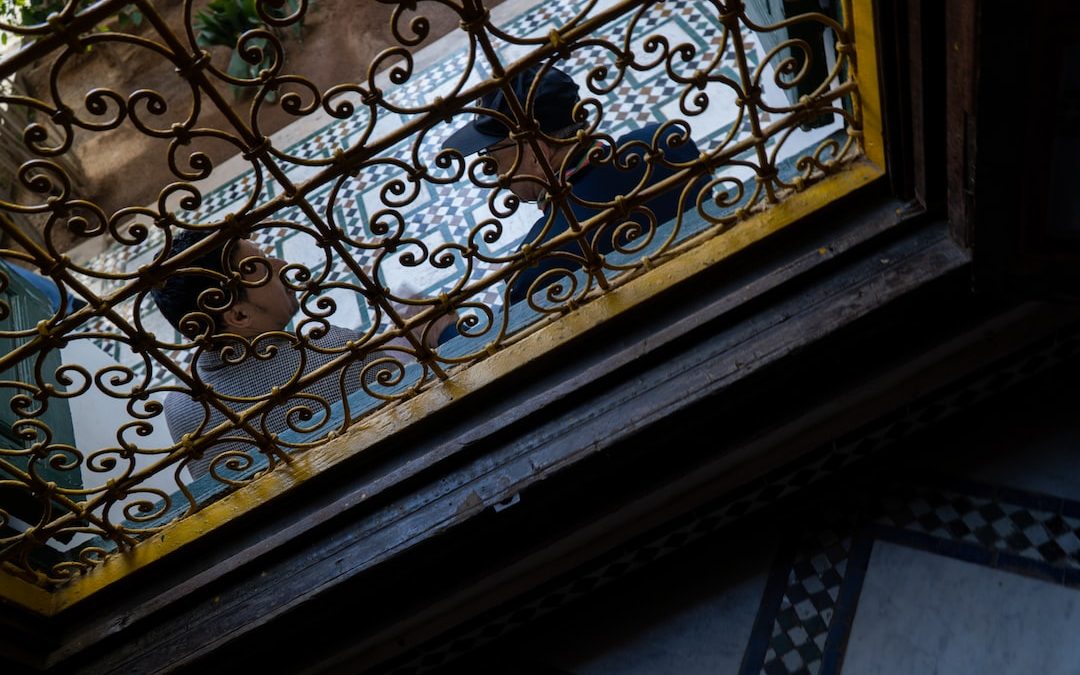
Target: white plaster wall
{"type": "Point", "coordinates": [95, 417]}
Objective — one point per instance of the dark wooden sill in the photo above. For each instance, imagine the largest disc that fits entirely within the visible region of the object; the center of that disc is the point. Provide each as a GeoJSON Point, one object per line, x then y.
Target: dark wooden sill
{"type": "Point", "coordinates": [837, 321]}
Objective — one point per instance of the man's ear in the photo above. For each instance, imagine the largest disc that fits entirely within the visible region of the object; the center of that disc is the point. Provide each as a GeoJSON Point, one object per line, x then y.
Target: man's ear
{"type": "Point", "coordinates": [237, 317]}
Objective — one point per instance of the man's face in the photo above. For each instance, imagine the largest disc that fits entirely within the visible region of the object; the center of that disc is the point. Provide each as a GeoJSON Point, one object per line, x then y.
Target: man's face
{"type": "Point", "coordinates": [268, 306]}
{"type": "Point", "coordinates": [504, 152]}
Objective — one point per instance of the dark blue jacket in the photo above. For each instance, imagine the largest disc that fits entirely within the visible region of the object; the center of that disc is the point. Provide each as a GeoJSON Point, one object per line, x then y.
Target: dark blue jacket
{"type": "Point", "coordinates": [602, 182]}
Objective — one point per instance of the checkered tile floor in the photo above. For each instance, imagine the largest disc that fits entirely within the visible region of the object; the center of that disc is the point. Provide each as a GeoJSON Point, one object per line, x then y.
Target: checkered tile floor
{"type": "Point", "coordinates": [969, 523]}
{"type": "Point", "coordinates": [808, 629]}
{"type": "Point", "coordinates": [801, 626]}
{"type": "Point", "coordinates": [1042, 535]}
{"type": "Point", "coordinates": [815, 587]}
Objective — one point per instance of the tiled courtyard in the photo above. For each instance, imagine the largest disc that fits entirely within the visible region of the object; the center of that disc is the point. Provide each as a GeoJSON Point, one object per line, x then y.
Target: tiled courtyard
{"type": "Point", "coordinates": [434, 213]}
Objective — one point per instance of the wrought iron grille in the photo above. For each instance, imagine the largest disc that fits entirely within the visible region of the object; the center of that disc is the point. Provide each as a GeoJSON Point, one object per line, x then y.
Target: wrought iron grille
{"type": "Point", "coordinates": [385, 233]}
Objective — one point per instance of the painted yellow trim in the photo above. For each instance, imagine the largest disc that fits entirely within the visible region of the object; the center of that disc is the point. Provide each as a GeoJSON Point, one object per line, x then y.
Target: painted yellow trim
{"type": "Point", "coordinates": [368, 431]}
{"type": "Point", "coordinates": [468, 380]}
{"type": "Point", "coordinates": [27, 595]}
{"type": "Point", "coordinates": [866, 76]}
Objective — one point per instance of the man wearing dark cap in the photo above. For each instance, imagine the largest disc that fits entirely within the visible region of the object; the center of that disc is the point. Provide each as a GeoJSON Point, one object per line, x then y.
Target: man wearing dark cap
{"type": "Point", "coordinates": [250, 354]}
{"type": "Point", "coordinates": [588, 167]}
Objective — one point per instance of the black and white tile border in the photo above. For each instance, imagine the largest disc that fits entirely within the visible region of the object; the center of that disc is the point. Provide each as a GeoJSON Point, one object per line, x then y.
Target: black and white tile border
{"type": "Point", "coordinates": [809, 586]}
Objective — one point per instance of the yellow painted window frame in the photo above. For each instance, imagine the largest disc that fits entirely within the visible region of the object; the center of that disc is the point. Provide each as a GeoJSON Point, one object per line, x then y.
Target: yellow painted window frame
{"type": "Point", "coordinates": [463, 382]}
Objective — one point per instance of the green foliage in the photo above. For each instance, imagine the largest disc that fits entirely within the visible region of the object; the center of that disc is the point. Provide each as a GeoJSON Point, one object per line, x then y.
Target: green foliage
{"type": "Point", "coordinates": [26, 13]}
{"type": "Point", "coordinates": [35, 12]}
{"type": "Point", "coordinates": [129, 18]}
{"type": "Point", "coordinates": [29, 12]}
{"type": "Point", "coordinates": [224, 21]}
